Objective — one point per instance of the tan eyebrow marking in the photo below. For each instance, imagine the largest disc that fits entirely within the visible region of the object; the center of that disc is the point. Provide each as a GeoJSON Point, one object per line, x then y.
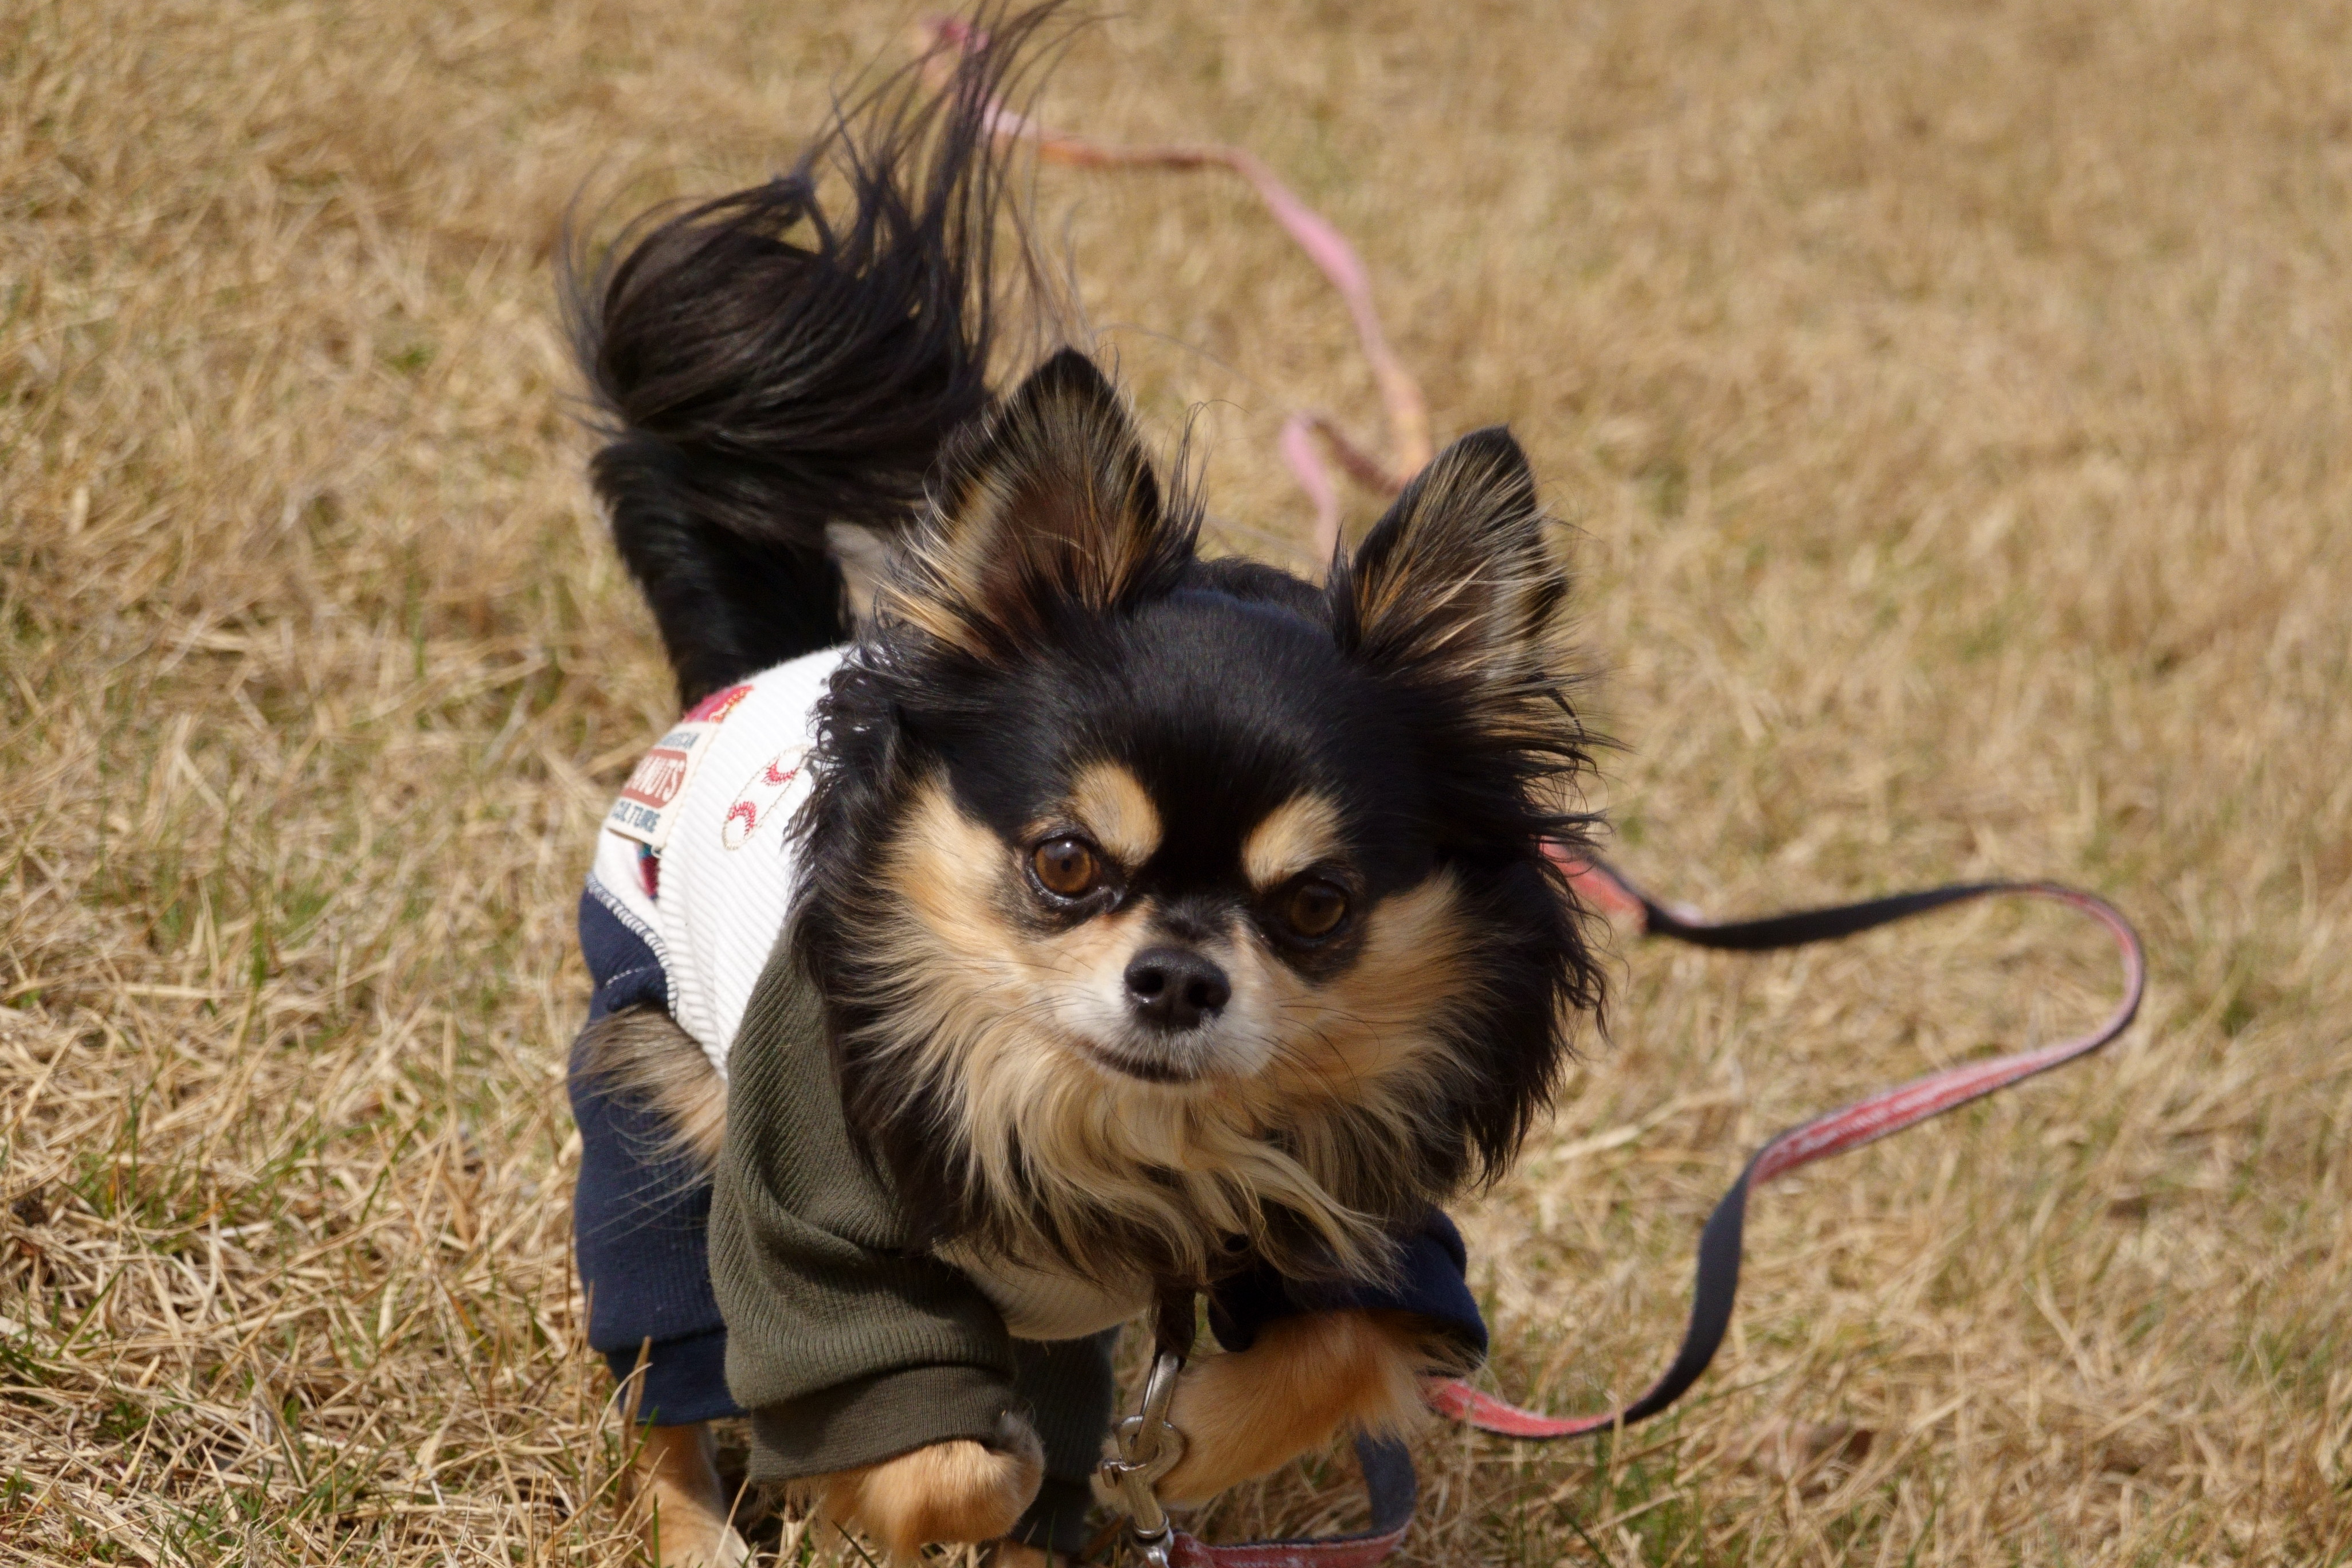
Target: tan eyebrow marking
{"type": "Point", "coordinates": [1294, 835]}
{"type": "Point", "coordinates": [1112, 805]}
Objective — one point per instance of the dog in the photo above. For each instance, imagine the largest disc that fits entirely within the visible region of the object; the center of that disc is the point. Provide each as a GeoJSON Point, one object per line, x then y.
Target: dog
{"type": "Point", "coordinates": [1032, 914]}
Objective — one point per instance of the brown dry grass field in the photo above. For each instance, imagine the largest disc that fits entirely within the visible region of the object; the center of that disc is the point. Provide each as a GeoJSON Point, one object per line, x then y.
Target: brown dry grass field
{"type": "Point", "coordinates": [1955, 399]}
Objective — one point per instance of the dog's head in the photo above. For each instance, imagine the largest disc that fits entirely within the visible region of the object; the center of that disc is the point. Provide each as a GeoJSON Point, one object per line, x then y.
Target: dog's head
{"type": "Point", "coordinates": [1168, 908]}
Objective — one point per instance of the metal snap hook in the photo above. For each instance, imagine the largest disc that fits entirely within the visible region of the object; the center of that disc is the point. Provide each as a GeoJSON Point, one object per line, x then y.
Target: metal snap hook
{"type": "Point", "coordinates": [1149, 1447]}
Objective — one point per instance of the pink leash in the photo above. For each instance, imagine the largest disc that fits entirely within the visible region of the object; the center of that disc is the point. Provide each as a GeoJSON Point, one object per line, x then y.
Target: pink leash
{"type": "Point", "coordinates": [1388, 1468]}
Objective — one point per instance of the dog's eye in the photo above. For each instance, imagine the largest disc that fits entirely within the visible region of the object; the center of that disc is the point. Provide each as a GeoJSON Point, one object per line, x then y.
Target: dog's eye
{"type": "Point", "coordinates": [1067, 867]}
{"type": "Point", "coordinates": [1315, 908]}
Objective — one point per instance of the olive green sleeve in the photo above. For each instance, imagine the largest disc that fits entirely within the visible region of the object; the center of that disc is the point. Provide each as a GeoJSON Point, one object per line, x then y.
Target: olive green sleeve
{"type": "Point", "coordinates": [845, 1346]}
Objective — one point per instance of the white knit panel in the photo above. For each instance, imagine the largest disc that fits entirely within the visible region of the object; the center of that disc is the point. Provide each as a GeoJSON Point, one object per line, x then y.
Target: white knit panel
{"type": "Point", "coordinates": [725, 872]}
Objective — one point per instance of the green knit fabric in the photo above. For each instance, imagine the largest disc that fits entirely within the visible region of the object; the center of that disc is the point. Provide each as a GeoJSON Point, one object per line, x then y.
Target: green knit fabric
{"type": "Point", "coordinates": [846, 1346]}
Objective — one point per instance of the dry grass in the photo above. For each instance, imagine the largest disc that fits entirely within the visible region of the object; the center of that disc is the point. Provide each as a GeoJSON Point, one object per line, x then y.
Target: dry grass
{"type": "Point", "coordinates": [1956, 400]}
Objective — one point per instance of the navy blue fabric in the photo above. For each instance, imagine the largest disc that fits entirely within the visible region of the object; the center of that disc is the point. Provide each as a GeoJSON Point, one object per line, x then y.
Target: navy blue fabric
{"type": "Point", "coordinates": [640, 1217]}
{"type": "Point", "coordinates": [621, 964]}
{"type": "Point", "coordinates": [685, 1379]}
{"type": "Point", "coordinates": [1430, 1279]}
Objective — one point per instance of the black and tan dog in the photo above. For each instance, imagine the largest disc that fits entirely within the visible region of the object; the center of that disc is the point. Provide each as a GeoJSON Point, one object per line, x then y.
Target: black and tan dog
{"type": "Point", "coordinates": [1145, 919]}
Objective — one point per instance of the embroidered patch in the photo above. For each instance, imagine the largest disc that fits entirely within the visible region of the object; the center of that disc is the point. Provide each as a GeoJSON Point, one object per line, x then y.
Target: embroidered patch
{"type": "Point", "coordinates": [757, 801]}
{"type": "Point", "coordinates": [643, 811]}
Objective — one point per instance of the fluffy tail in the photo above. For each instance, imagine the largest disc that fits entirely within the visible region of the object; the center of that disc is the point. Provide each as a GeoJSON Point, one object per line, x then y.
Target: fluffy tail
{"type": "Point", "coordinates": [778, 373]}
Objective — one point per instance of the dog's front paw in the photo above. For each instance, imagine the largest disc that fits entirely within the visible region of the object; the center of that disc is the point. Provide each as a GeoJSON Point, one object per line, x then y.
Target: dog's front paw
{"type": "Point", "coordinates": [955, 1492]}
{"type": "Point", "coordinates": [1305, 1378]}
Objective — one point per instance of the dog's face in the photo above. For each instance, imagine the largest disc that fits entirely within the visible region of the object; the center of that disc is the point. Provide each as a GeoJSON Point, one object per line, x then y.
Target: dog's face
{"type": "Point", "coordinates": [1163, 902]}
{"type": "Point", "coordinates": [1187, 856]}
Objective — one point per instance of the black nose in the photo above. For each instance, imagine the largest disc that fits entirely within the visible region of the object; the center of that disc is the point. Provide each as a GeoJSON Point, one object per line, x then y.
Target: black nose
{"type": "Point", "coordinates": [1172, 988]}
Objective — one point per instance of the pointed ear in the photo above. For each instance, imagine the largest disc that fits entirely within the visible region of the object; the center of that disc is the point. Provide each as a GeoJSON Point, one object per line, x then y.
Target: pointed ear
{"type": "Point", "coordinates": [1461, 583]}
{"type": "Point", "coordinates": [1050, 507]}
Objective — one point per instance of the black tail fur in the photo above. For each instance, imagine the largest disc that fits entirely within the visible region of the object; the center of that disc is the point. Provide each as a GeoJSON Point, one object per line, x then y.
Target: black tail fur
{"type": "Point", "coordinates": [767, 370]}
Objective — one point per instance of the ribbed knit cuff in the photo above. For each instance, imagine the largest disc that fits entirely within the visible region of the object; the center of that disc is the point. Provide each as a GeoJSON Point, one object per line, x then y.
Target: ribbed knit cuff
{"type": "Point", "coordinates": [870, 1419]}
{"type": "Point", "coordinates": [685, 1379]}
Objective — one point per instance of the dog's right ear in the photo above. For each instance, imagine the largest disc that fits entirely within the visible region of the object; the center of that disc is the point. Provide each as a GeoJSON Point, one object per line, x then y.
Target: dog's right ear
{"type": "Point", "coordinates": [1050, 507]}
{"type": "Point", "coordinates": [1461, 584]}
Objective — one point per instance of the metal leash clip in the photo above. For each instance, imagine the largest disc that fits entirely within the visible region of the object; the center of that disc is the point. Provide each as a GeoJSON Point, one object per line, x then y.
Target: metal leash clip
{"type": "Point", "coordinates": [1149, 1447]}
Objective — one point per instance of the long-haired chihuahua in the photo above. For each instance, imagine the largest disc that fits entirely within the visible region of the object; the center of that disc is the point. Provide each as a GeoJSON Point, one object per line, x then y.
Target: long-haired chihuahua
{"type": "Point", "coordinates": [1169, 919]}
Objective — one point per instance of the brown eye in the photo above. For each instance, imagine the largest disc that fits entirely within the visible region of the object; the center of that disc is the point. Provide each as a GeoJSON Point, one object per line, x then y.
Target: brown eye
{"type": "Point", "coordinates": [1065, 867]}
{"type": "Point", "coordinates": [1315, 908]}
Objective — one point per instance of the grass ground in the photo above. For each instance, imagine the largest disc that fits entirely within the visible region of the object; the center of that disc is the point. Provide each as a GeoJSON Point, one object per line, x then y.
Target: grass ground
{"type": "Point", "coordinates": [1954, 400]}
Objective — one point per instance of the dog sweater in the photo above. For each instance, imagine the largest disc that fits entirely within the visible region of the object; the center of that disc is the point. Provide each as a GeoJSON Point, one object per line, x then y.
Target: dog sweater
{"type": "Point", "coordinates": [791, 1288]}
{"type": "Point", "coordinates": [696, 860]}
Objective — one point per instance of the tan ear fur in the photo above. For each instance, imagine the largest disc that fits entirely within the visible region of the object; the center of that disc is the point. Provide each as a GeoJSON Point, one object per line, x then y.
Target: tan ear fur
{"type": "Point", "coordinates": [865, 556]}
{"type": "Point", "coordinates": [1464, 577]}
{"type": "Point", "coordinates": [1304, 1380]}
{"type": "Point", "coordinates": [1053, 503]}
{"type": "Point", "coordinates": [640, 1055]}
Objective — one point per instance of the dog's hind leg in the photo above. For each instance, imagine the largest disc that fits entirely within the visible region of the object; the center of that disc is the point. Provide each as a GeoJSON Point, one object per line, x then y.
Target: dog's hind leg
{"type": "Point", "coordinates": [676, 1480]}
{"type": "Point", "coordinates": [636, 1071]}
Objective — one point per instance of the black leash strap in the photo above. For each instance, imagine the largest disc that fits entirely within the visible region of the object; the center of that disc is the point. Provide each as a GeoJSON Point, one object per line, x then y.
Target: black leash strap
{"type": "Point", "coordinates": [1716, 1287]}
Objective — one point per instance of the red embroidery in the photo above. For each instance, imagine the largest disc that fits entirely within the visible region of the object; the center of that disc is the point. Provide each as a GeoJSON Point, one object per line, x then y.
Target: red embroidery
{"type": "Point", "coordinates": [717, 706]}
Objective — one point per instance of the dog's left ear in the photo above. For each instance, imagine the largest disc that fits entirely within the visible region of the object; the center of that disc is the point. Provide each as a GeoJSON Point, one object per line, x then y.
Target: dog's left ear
{"type": "Point", "coordinates": [1050, 507]}
{"type": "Point", "coordinates": [1461, 584]}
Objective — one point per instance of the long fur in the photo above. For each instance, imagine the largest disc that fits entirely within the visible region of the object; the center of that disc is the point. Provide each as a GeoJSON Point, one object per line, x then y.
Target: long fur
{"type": "Point", "coordinates": [1446, 625]}
{"type": "Point", "coordinates": [640, 1056]}
{"type": "Point", "coordinates": [954, 1491]}
{"type": "Point", "coordinates": [776, 368]}
{"type": "Point", "coordinates": [1305, 1378]}
{"type": "Point", "coordinates": [777, 372]}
